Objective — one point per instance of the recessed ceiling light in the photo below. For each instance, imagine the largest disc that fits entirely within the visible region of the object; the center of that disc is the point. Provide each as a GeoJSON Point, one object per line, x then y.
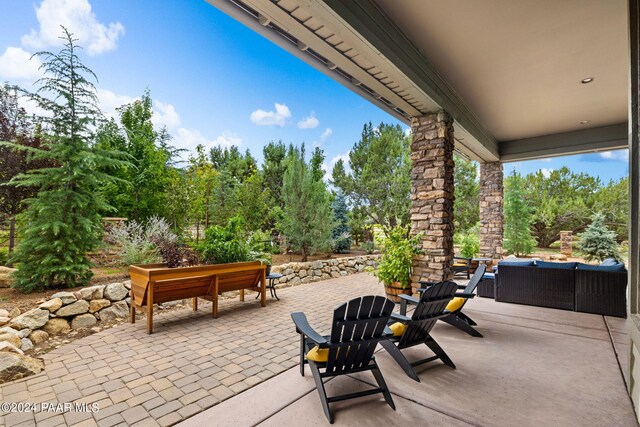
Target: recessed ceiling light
{"type": "Point", "coordinates": [587, 80]}
{"type": "Point", "coordinates": [584, 122]}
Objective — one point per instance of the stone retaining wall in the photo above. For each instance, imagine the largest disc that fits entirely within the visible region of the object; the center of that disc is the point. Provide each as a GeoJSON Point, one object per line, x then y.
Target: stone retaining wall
{"type": "Point", "coordinates": [295, 273]}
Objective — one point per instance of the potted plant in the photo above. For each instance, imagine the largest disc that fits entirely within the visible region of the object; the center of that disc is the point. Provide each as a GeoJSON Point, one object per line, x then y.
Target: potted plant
{"type": "Point", "coordinates": [394, 266]}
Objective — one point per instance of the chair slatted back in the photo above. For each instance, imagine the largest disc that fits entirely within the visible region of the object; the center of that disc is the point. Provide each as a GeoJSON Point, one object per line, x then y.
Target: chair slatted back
{"type": "Point", "coordinates": [475, 279]}
{"type": "Point", "coordinates": [431, 307]}
{"type": "Point", "coordinates": [357, 327]}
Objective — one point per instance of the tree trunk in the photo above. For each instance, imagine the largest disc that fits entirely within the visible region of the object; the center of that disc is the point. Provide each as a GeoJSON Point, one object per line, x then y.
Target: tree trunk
{"type": "Point", "coordinates": [304, 253]}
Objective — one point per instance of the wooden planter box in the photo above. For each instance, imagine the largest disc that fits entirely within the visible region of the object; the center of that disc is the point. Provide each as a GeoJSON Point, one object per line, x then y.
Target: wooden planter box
{"type": "Point", "coordinates": [155, 283]}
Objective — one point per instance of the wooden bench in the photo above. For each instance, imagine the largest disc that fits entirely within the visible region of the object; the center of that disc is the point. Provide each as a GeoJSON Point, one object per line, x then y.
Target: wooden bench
{"type": "Point", "coordinates": [155, 283]}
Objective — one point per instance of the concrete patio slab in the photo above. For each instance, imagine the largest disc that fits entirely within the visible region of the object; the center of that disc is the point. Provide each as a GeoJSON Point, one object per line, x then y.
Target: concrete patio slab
{"type": "Point", "coordinates": [533, 367]}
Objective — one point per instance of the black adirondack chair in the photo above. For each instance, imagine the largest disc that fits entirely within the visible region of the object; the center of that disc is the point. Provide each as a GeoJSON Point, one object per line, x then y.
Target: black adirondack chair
{"type": "Point", "coordinates": [461, 265]}
{"type": "Point", "coordinates": [429, 309]}
{"type": "Point", "coordinates": [358, 325]}
{"type": "Point", "coordinates": [457, 318]}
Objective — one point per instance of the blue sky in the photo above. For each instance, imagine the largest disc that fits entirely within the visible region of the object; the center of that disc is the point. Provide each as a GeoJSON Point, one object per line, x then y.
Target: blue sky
{"type": "Point", "coordinates": [213, 81]}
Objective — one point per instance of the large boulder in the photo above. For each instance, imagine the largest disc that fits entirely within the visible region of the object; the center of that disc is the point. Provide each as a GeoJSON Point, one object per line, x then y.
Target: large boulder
{"type": "Point", "coordinates": [83, 321]}
{"type": "Point", "coordinates": [15, 366]}
{"type": "Point", "coordinates": [57, 326]}
{"type": "Point", "coordinates": [6, 277]}
{"type": "Point", "coordinates": [38, 336]}
{"type": "Point", "coordinates": [98, 304]}
{"type": "Point", "coordinates": [115, 292]}
{"type": "Point", "coordinates": [32, 319]}
{"type": "Point", "coordinates": [4, 313]}
{"type": "Point", "coordinates": [5, 346]}
{"type": "Point", "coordinates": [26, 344]}
{"type": "Point", "coordinates": [52, 305]}
{"type": "Point", "coordinates": [66, 297]}
{"type": "Point", "coordinates": [12, 339]}
{"type": "Point", "coordinates": [93, 292]}
{"type": "Point", "coordinates": [4, 320]}
{"type": "Point", "coordinates": [118, 310]}
{"type": "Point", "coordinates": [78, 307]}
{"type": "Point", "coordinates": [15, 312]}
{"type": "Point", "coordinates": [8, 330]}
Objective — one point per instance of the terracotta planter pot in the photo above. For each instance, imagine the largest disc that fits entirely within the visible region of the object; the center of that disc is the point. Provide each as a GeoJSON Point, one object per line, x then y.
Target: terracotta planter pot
{"type": "Point", "coordinates": [394, 290]}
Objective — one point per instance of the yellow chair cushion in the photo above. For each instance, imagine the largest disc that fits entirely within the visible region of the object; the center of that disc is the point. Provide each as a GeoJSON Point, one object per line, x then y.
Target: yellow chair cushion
{"type": "Point", "coordinates": [318, 354]}
{"type": "Point", "coordinates": [398, 329]}
{"type": "Point", "coordinates": [455, 304]}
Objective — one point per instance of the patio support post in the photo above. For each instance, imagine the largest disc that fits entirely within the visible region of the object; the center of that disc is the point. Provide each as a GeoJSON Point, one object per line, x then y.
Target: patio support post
{"type": "Point", "coordinates": [491, 217]}
{"type": "Point", "coordinates": [432, 195]}
{"type": "Point", "coordinates": [634, 208]}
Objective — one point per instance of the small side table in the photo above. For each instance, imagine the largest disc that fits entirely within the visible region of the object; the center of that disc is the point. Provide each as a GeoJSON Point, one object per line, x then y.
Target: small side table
{"type": "Point", "coordinates": [271, 284]}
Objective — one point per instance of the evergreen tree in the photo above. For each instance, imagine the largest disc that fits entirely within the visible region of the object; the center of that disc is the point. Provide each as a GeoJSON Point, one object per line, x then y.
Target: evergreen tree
{"type": "Point", "coordinates": [62, 222]}
{"type": "Point", "coordinates": [466, 205]}
{"type": "Point", "coordinates": [342, 232]}
{"type": "Point", "coordinates": [517, 218]}
{"type": "Point", "coordinates": [597, 241]}
{"type": "Point", "coordinates": [307, 219]}
{"type": "Point", "coordinates": [379, 182]}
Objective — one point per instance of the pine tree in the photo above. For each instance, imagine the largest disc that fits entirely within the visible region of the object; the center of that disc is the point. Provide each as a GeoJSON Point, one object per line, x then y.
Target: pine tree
{"type": "Point", "coordinates": [597, 241]}
{"type": "Point", "coordinates": [342, 232]}
{"type": "Point", "coordinates": [307, 219]}
{"type": "Point", "coordinates": [62, 222]}
{"type": "Point", "coordinates": [517, 218]}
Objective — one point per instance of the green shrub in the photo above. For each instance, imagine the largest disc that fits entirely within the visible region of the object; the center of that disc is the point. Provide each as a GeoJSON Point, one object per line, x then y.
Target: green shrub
{"type": "Point", "coordinates": [368, 247]}
{"type": "Point", "coordinates": [4, 256]}
{"type": "Point", "coordinates": [226, 244]}
{"type": "Point", "coordinates": [138, 242]}
{"type": "Point", "coordinates": [470, 243]}
{"type": "Point", "coordinates": [397, 258]}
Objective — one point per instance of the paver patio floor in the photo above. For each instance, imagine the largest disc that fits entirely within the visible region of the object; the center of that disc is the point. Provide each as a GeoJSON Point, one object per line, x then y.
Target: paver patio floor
{"type": "Point", "coordinates": [533, 367]}
{"type": "Point", "coordinates": [190, 362]}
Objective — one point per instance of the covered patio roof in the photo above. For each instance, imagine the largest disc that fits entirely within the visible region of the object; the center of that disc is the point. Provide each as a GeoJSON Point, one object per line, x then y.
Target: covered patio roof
{"type": "Point", "coordinates": [512, 85]}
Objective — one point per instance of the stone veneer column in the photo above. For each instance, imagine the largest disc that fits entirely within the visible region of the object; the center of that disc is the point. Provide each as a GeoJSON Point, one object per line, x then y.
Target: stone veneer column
{"type": "Point", "coordinates": [491, 217]}
{"type": "Point", "coordinates": [432, 195]}
{"type": "Point", "coordinates": [566, 243]}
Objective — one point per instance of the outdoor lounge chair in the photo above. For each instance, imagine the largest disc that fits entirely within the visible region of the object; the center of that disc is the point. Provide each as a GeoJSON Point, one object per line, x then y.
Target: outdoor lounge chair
{"type": "Point", "coordinates": [357, 327]}
{"type": "Point", "coordinates": [461, 265]}
{"type": "Point", "coordinates": [456, 317]}
{"type": "Point", "coordinates": [415, 330]}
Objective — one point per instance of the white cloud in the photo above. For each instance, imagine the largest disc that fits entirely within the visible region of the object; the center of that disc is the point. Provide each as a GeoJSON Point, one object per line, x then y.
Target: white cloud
{"type": "Point", "coordinates": [621, 155]}
{"type": "Point", "coordinates": [407, 131]}
{"type": "Point", "coordinates": [165, 114]}
{"type": "Point", "coordinates": [17, 64]}
{"type": "Point", "coordinates": [79, 19]}
{"type": "Point", "coordinates": [189, 139]}
{"type": "Point", "coordinates": [227, 139]}
{"type": "Point", "coordinates": [546, 172]}
{"type": "Point", "coordinates": [326, 134]}
{"type": "Point", "coordinates": [272, 118]}
{"type": "Point", "coordinates": [109, 101]}
{"type": "Point", "coordinates": [328, 167]}
{"type": "Point", "coordinates": [310, 122]}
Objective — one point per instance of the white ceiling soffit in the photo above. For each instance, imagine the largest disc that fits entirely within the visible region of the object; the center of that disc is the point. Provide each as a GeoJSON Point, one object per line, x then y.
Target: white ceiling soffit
{"type": "Point", "coordinates": [519, 64]}
{"type": "Point", "coordinates": [315, 33]}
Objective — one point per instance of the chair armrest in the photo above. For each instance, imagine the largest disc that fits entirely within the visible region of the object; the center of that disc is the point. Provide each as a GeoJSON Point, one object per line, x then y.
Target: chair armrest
{"type": "Point", "coordinates": [404, 299]}
{"type": "Point", "coordinates": [303, 327]}
{"type": "Point", "coordinates": [400, 317]}
{"type": "Point", "coordinates": [464, 295]}
{"type": "Point", "coordinates": [425, 284]}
